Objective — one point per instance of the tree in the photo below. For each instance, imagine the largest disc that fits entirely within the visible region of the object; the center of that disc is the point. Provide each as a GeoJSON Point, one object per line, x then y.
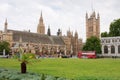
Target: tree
{"type": "Point", "coordinates": [115, 28]}
{"type": "Point", "coordinates": [4, 46]}
{"type": "Point", "coordinates": [25, 58]}
{"type": "Point", "coordinates": [92, 44]}
{"type": "Point", "coordinates": [104, 34]}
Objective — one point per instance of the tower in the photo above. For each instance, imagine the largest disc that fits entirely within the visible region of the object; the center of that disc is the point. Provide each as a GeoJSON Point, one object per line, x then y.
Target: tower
{"type": "Point", "coordinates": [92, 25]}
{"type": "Point", "coordinates": [5, 26]}
{"type": "Point", "coordinates": [75, 43]}
{"type": "Point", "coordinates": [41, 27]}
{"type": "Point", "coordinates": [69, 34]}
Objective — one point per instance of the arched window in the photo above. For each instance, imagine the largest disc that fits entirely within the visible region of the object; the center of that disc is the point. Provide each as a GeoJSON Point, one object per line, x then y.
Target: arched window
{"type": "Point", "coordinates": [105, 49]}
{"type": "Point", "coordinates": [112, 49]}
{"type": "Point", "coordinates": [119, 49]}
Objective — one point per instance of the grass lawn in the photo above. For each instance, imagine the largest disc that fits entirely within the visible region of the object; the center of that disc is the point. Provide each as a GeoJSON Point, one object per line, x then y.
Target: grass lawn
{"type": "Point", "coordinates": [70, 68]}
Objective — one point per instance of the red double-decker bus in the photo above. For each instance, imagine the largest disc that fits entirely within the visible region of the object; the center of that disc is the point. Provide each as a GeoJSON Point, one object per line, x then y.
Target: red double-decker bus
{"type": "Point", "coordinates": [86, 54]}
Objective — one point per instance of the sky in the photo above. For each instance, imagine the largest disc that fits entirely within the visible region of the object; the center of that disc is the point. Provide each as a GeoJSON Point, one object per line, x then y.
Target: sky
{"type": "Point", "coordinates": [64, 14]}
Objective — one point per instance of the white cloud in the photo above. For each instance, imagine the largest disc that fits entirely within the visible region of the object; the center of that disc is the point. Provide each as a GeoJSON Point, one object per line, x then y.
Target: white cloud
{"type": "Point", "coordinates": [25, 14]}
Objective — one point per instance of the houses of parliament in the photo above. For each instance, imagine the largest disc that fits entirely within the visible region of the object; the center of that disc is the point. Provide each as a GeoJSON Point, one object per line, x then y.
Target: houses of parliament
{"type": "Point", "coordinates": [47, 44]}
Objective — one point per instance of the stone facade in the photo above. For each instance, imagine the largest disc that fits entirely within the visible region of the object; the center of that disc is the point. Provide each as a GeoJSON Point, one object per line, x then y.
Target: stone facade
{"type": "Point", "coordinates": [35, 43]}
{"type": "Point", "coordinates": [73, 44]}
{"type": "Point", "coordinates": [41, 43]}
{"type": "Point", "coordinates": [92, 25]}
{"type": "Point", "coordinates": [110, 46]}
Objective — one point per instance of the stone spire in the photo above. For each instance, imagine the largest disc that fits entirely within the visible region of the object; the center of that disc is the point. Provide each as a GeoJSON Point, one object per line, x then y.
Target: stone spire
{"type": "Point", "coordinates": [5, 26]}
{"type": "Point", "coordinates": [49, 32]}
{"type": "Point", "coordinates": [76, 35]}
{"type": "Point", "coordinates": [93, 14]}
{"type": "Point", "coordinates": [98, 16]}
{"type": "Point", "coordinates": [41, 18]}
{"type": "Point", "coordinates": [86, 15]}
{"type": "Point", "coordinates": [69, 34]}
{"type": "Point", "coordinates": [41, 27]}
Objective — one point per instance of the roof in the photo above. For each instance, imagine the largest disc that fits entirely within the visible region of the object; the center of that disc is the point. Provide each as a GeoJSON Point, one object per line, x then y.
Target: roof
{"type": "Point", "coordinates": [36, 38]}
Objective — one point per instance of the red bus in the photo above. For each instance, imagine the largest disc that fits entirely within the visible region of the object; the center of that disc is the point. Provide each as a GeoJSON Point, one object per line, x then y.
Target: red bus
{"type": "Point", "coordinates": [86, 54]}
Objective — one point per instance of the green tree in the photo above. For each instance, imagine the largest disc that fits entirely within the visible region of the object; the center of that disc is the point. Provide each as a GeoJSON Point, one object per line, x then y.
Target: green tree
{"type": "Point", "coordinates": [104, 34]}
{"type": "Point", "coordinates": [25, 59]}
{"type": "Point", "coordinates": [92, 44]}
{"type": "Point", "coordinates": [4, 45]}
{"type": "Point", "coordinates": [115, 28]}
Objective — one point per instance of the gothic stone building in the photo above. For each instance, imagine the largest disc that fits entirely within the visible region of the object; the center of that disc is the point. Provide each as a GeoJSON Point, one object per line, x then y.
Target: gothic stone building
{"type": "Point", "coordinates": [41, 43]}
{"type": "Point", "coordinates": [92, 25]}
{"type": "Point", "coordinates": [110, 46]}
{"type": "Point", "coordinates": [73, 43]}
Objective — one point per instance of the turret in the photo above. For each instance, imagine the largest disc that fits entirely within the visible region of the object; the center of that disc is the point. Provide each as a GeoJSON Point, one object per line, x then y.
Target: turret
{"type": "Point", "coordinates": [49, 32]}
{"type": "Point", "coordinates": [76, 35]}
{"type": "Point", "coordinates": [59, 33]}
{"type": "Point", "coordinates": [86, 15]}
{"type": "Point", "coordinates": [5, 26]}
{"type": "Point", "coordinates": [98, 16]}
{"type": "Point", "coordinates": [93, 15]}
{"type": "Point", "coordinates": [69, 33]}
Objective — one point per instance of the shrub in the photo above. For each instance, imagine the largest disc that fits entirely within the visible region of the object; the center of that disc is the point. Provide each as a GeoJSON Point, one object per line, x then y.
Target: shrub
{"type": "Point", "coordinates": [14, 75]}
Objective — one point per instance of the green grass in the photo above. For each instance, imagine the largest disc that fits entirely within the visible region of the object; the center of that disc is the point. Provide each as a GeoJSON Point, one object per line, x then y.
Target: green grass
{"type": "Point", "coordinates": [70, 68]}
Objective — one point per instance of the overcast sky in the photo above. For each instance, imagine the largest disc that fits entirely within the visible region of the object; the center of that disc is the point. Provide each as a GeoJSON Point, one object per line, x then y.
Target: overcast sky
{"type": "Point", "coordinates": [63, 14]}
